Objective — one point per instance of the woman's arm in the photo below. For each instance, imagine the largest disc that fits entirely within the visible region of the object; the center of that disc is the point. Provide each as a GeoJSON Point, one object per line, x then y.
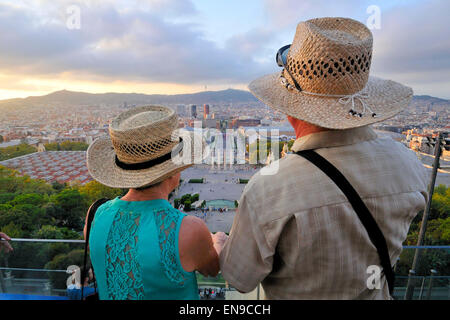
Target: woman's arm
{"type": "Point", "coordinates": [197, 249]}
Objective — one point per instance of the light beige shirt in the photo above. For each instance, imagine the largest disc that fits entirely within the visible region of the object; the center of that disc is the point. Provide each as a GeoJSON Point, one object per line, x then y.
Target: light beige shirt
{"type": "Point", "coordinates": [296, 232]}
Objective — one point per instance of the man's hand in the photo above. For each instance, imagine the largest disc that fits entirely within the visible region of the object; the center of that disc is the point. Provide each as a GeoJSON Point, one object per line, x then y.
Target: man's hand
{"type": "Point", "coordinates": [4, 244]}
{"type": "Point", "coordinates": [219, 239]}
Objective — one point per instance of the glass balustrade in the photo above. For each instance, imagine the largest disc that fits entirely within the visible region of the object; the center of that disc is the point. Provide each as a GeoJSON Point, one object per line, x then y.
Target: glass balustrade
{"type": "Point", "coordinates": [431, 277]}
{"type": "Point", "coordinates": [45, 269]}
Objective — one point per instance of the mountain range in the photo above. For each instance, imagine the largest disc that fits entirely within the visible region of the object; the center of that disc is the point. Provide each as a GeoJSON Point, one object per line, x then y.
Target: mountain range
{"type": "Point", "coordinates": [72, 98]}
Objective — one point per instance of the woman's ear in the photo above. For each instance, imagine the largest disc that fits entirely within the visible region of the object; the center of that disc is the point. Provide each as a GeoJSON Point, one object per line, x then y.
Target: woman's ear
{"type": "Point", "coordinates": [172, 182]}
{"type": "Point", "coordinates": [175, 179]}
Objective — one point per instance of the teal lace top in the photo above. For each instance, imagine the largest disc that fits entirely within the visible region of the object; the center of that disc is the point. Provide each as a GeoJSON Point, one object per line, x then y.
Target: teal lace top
{"type": "Point", "coordinates": [134, 252]}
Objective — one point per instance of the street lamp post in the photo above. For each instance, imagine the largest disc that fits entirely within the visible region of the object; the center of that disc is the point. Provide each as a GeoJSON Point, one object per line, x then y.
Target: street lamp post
{"type": "Point", "coordinates": [437, 153]}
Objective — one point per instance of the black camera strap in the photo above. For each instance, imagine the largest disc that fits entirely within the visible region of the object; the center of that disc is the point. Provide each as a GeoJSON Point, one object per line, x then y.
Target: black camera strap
{"type": "Point", "coordinates": [363, 213]}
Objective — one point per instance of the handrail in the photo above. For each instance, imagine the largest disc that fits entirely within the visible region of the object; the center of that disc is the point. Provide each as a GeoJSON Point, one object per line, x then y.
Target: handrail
{"type": "Point", "coordinates": [202, 282]}
{"type": "Point", "coordinates": [417, 277]}
{"type": "Point", "coordinates": [82, 241]}
{"type": "Point", "coordinates": [45, 240]}
{"type": "Point", "coordinates": [36, 270]}
{"type": "Point", "coordinates": [426, 247]}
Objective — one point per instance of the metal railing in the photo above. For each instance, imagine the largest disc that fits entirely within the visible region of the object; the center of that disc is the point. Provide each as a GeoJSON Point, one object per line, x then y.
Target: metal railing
{"type": "Point", "coordinates": [39, 268]}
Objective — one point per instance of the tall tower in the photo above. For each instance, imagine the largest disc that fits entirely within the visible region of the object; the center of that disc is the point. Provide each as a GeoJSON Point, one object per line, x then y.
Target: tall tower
{"type": "Point", "coordinates": [193, 111]}
{"type": "Point", "coordinates": [205, 111]}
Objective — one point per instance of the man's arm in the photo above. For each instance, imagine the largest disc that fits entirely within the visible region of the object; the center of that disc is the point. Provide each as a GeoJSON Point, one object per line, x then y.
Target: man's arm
{"type": "Point", "coordinates": [246, 258]}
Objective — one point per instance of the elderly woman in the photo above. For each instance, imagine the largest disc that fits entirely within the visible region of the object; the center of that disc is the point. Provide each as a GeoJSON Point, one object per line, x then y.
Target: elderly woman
{"type": "Point", "coordinates": [140, 246]}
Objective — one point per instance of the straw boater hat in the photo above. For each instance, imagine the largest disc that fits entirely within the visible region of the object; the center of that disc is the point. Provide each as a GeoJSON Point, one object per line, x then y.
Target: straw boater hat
{"type": "Point", "coordinates": [144, 148]}
{"type": "Point", "coordinates": [325, 80]}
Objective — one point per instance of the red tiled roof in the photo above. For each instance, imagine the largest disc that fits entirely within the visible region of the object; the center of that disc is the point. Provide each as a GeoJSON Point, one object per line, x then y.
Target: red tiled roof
{"type": "Point", "coordinates": [61, 166]}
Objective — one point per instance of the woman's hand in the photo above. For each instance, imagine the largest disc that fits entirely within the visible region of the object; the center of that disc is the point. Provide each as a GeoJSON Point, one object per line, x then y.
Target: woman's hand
{"type": "Point", "coordinates": [219, 239]}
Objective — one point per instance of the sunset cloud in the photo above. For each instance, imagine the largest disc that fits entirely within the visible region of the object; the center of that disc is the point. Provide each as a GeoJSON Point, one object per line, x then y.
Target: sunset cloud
{"type": "Point", "coordinates": [163, 43]}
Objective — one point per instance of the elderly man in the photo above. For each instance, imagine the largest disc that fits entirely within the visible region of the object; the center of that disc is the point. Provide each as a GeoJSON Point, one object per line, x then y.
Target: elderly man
{"type": "Point", "coordinates": [339, 208]}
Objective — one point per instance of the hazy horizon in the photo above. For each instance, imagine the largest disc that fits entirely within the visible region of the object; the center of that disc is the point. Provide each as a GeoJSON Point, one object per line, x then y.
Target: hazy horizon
{"type": "Point", "coordinates": [114, 92]}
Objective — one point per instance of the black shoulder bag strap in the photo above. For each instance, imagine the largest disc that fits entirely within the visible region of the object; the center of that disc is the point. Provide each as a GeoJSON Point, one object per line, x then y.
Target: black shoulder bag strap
{"type": "Point", "coordinates": [375, 234]}
{"type": "Point", "coordinates": [90, 217]}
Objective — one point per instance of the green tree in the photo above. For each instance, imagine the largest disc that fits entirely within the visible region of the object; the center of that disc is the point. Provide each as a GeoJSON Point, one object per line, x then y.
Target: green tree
{"type": "Point", "coordinates": [29, 198]}
{"type": "Point", "coordinates": [28, 217]}
{"type": "Point", "coordinates": [290, 144]}
{"type": "Point", "coordinates": [437, 233]}
{"type": "Point", "coordinates": [53, 232]}
{"type": "Point", "coordinates": [58, 186]}
{"type": "Point", "coordinates": [62, 262]}
{"type": "Point", "coordinates": [68, 207]}
{"type": "Point", "coordinates": [6, 197]}
{"type": "Point", "coordinates": [186, 197]}
{"type": "Point", "coordinates": [74, 146]}
{"type": "Point", "coordinates": [48, 232]}
{"type": "Point", "coordinates": [66, 146]}
{"type": "Point", "coordinates": [429, 259]}
{"type": "Point", "coordinates": [440, 206]}
{"type": "Point", "coordinates": [253, 150]}
{"type": "Point", "coordinates": [12, 230]}
{"type": "Point", "coordinates": [440, 189]}
{"type": "Point", "coordinates": [27, 255]}
{"type": "Point", "coordinates": [16, 151]}
{"type": "Point", "coordinates": [187, 205]}
{"type": "Point", "coordinates": [5, 208]}
{"type": "Point", "coordinates": [94, 190]}
{"type": "Point", "coordinates": [12, 182]}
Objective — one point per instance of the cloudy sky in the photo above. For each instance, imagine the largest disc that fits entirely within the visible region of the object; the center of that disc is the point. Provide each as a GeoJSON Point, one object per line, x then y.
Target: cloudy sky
{"type": "Point", "coordinates": [181, 46]}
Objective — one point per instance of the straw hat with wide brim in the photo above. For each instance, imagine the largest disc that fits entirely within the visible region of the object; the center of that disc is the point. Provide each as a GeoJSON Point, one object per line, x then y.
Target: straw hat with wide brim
{"type": "Point", "coordinates": [145, 147]}
{"type": "Point", "coordinates": [325, 80]}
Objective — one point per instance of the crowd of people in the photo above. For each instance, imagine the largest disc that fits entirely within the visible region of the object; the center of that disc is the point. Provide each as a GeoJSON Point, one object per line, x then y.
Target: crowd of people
{"type": "Point", "coordinates": [200, 214]}
{"type": "Point", "coordinates": [212, 293]}
{"type": "Point", "coordinates": [205, 213]}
